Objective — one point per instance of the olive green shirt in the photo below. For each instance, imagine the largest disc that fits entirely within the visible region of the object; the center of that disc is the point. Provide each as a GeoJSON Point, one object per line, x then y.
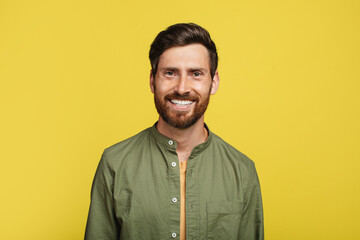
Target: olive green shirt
{"type": "Point", "coordinates": [136, 192]}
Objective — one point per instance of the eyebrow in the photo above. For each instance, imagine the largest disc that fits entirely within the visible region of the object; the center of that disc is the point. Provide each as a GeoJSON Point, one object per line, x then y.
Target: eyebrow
{"type": "Point", "coordinates": [198, 69]}
{"type": "Point", "coordinates": [174, 69]}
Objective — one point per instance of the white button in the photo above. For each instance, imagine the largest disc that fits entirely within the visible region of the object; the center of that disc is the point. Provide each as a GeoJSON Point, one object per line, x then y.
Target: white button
{"type": "Point", "coordinates": [173, 235]}
{"type": "Point", "coordinates": [174, 200]}
{"type": "Point", "coordinates": [173, 164]}
{"type": "Point", "coordinates": [171, 142]}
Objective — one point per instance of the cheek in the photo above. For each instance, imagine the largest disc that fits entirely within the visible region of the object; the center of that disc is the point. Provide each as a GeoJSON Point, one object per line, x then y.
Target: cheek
{"type": "Point", "coordinates": [203, 88]}
{"type": "Point", "coordinates": [160, 91]}
{"type": "Point", "coordinates": [163, 87]}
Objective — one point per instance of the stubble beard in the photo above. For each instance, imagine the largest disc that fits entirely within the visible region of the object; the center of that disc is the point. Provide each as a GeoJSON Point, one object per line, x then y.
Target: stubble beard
{"type": "Point", "coordinates": [180, 119]}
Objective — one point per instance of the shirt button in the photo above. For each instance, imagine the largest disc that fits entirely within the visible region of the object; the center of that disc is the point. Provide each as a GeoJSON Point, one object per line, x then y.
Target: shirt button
{"type": "Point", "coordinates": [171, 142]}
{"type": "Point", "coordinates": [174, 200]}
{"type": "Point", "coordinates": [173, 164]}
{"type": "Point", "coordinates": [173, 235]}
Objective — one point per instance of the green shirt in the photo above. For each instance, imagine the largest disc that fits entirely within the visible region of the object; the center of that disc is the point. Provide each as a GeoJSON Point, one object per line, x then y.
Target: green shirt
{"type": "Point", "coordinates": [136, 192]}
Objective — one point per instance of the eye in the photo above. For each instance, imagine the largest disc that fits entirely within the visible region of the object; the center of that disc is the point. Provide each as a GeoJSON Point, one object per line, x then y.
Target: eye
{"type": "Point", "coordinates": [197, 74]}
{"type": "Point", "coordinates": [169, 73]}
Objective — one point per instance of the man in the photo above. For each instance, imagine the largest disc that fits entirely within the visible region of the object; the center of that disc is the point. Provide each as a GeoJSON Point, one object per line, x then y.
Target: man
{"type": "Point", "coordinates": [177, 179]}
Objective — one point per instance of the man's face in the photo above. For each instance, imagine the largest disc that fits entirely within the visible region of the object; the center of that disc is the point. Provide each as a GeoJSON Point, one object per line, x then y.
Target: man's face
{"type": "Point", "coordinates": [183, 84]}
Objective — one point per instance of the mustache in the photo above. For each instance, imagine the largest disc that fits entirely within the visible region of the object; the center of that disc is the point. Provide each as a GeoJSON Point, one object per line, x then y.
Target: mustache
{"type": "Point", "coordinates": [186, 96]}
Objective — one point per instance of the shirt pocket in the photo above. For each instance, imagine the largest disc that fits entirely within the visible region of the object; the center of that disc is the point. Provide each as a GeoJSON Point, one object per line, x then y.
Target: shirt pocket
{"type": "Point", "coordinates": [223, 220]}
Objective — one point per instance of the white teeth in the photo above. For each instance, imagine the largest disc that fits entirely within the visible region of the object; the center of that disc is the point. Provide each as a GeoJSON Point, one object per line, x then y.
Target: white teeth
{"type": "Point", "coordinates": [181, 102]}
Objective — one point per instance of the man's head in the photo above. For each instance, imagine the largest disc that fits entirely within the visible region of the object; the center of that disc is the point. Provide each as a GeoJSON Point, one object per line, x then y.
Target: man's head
{"type": "Point", "coordinates": [183, 74]}
{"type": "Point", "coordinates": [182, 34]}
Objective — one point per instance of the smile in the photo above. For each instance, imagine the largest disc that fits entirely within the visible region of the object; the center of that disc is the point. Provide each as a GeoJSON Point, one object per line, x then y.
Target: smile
{"type": "Point", "coordinates": [181, 102]}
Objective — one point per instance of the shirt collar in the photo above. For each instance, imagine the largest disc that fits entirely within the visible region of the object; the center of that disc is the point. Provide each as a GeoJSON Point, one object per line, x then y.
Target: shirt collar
{"type": "Point", "coordinates": [171, 144]}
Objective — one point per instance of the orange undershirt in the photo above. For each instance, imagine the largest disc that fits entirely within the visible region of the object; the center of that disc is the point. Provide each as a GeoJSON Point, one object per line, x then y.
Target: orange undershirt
{"type": "Point", "coordinates": [182, 202]}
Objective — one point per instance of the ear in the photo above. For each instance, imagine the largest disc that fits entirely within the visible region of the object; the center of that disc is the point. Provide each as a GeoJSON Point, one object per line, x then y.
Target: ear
{"type": "Point", "coordinates": [152, 82]}
{"type": "Point", "coordinates": [215, 83]}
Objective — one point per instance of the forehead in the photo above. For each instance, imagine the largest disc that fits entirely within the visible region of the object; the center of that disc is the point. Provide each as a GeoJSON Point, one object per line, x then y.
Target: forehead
{"type": "Point", "coordinates": [189, 56]}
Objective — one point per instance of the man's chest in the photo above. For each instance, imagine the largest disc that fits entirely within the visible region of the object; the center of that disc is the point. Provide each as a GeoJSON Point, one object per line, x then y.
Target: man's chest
{"type": "Point", "coordinates": [148, 194]}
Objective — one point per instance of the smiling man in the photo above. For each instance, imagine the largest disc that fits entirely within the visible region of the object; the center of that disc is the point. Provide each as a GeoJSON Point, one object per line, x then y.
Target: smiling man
{"type": "Point", "coordinates": [177, 179]}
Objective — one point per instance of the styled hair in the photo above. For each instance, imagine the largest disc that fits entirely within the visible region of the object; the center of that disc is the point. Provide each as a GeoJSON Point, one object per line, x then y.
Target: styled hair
{"type": "Point", "coordinates": [182, 34]}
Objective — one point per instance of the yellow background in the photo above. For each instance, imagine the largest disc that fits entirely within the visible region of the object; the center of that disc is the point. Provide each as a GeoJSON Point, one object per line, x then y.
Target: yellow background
{"type": "Point", "coordinates": [74, 80]}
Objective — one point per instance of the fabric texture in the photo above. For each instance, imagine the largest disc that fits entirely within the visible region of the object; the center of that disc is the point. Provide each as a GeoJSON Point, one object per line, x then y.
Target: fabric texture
{"type": "Point", "coordinates": [136, 192]}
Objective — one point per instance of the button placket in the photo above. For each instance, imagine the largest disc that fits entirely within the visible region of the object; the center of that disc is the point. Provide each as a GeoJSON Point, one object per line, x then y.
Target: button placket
{"type": "Point", "coordinates": [174, 190]}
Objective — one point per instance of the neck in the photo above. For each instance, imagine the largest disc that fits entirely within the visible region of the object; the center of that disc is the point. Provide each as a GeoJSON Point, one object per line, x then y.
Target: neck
{"type": "Point", "coordinates": [187, 138]}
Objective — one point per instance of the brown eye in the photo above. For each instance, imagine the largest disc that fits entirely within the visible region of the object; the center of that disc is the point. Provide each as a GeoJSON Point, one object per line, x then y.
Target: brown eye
{"type": "Point", "coordinates": [169, 73]}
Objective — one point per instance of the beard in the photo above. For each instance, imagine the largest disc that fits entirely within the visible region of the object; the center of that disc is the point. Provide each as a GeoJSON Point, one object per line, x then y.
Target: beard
{"type": "Point", "coordinates": [181, 119]}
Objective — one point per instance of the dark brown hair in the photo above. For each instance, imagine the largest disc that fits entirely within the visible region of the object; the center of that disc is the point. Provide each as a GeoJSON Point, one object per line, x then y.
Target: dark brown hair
{"type": "Point", "coordinates": [182, 34]}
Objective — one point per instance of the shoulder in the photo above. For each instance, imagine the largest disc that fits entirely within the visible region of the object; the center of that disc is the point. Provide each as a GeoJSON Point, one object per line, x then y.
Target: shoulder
{"type": "Point", "coordinates": [234, 159]}
{"type": "Point", "coordinates": [115, 156]}
{"type": "Point", "coordinates": [122, 150]}
{"type": "Point", "coordinates": [231, 152]}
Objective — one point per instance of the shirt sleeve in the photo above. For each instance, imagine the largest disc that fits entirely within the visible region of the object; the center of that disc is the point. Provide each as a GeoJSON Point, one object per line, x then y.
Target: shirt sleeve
{"type": "Point", "coordinates": [252, 221]}
{"type": "Point", "coordinates": [102, 223]}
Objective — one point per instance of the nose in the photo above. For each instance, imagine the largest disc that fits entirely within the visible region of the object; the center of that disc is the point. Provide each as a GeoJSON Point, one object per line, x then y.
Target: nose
{"type": "Point", "coordinates": [182, 85]}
